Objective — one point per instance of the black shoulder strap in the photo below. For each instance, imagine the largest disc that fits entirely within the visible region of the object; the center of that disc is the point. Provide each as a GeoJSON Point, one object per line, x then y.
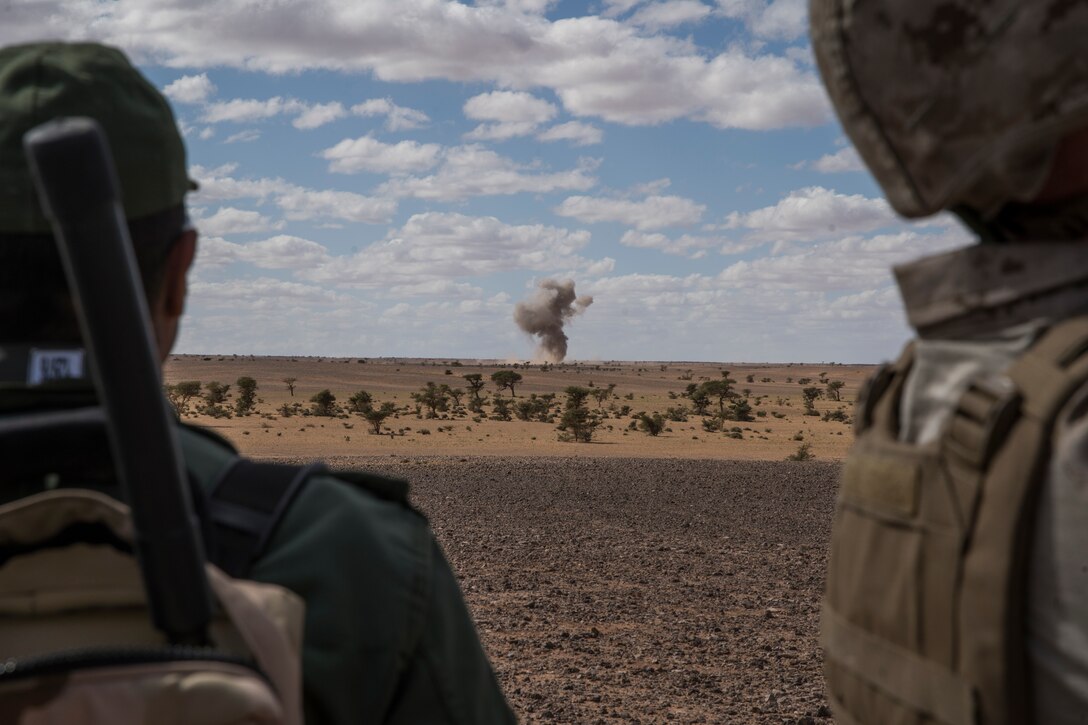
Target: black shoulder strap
{"type": "Point", "coordinates": [246, 506]}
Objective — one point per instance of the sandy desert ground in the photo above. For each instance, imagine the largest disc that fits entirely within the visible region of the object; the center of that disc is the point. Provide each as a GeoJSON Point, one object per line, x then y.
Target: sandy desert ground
{"type": "Point", "coordinates": [774, 392]}
{"type": "Point", "coordinates": [634, 579]}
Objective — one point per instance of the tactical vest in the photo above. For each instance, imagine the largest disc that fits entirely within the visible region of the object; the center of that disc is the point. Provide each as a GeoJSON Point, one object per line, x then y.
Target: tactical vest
{"type": "Point", "coordinates": [925, 612]}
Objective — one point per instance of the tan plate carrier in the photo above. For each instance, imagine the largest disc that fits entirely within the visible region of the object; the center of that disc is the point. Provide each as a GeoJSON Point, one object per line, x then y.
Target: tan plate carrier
{"type": "Point", "coordinates": [924, 616]}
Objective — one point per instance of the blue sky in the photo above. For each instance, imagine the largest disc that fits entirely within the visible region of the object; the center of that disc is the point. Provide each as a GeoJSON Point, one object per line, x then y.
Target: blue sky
{"type": "Point", "coordinates": [389, 178]}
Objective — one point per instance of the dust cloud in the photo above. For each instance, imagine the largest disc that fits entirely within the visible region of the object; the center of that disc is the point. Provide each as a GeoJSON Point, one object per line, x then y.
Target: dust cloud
{"type": "Point", "coordinates": [545, 313]}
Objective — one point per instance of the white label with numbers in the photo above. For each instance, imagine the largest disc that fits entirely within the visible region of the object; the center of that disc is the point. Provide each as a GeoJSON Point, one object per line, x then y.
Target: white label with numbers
{"type": "Point", "coordinates": [49, 365]}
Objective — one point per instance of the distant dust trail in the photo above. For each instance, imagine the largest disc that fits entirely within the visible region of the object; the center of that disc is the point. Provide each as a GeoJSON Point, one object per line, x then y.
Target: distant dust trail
{"type": "Point", "coordinates": [544, 314]}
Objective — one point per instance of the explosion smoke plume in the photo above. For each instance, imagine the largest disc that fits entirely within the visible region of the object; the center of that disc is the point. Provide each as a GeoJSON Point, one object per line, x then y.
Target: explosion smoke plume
{"type": "Point", "coordinates": [545, 313]}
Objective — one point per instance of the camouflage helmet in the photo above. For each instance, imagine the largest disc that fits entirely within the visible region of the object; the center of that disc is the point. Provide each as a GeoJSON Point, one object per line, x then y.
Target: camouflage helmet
{"type": "Point", "coordinates": [955, 103]}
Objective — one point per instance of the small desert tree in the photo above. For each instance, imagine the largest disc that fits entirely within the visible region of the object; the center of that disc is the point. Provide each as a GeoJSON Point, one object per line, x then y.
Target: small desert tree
{"type": "Point", "coordinates": [506, 379]}
{"type": "Point", "coordinates": [740, 409]}
{"type": "Point", "coordinates": [456, 394]}
{"type": "Point", "coordinates": [323, 403]}
{"type": "Point", "coordinates": [833, 388]}
{"type": "Point", "coordinates": [500, 409]}
{"type": "Point", "coordinates": [360, 402]}
{"type": "Point", "coordinates": [475, 383]}
{"type": "Point", "coordinates": [700, 401]}
{"type": "Point", "coordinates": [181, 393]}
{"type": "Point", "coordinates": [433, 397]}
{"type": "Point", "coordinates": [215, 393]}
{"type": "Point", "coordinates": [290, 383]}
{"type": "Point", "coordinates": [721, 389]}
{"type": "Point", "coordinates": [651, 424]}
{"type": "Point", "coordinates": [534, 408]}
{"type": "Point", "coordinates": [577, 423]}
{"type": "Point", "coordinates": [377, 416]}
{"type": "Point", "coordinates": [247, 395]}
{"type": "Point", "coordinates": [810, 394]}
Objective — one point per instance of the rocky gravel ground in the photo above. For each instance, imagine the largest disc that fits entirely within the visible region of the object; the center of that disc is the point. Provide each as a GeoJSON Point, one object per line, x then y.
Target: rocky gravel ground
{"type": "Point", "coordinates": [639, 590]}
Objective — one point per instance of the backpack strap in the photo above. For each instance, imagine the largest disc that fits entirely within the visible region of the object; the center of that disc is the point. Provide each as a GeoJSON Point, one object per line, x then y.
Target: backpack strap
{"type": "Point", "coordinates": [246, 505]}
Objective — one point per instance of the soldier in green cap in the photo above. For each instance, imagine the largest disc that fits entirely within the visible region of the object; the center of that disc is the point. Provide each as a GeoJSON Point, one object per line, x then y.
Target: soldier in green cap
{"type": "Point", "coordinates": [388, 638]}
{"type": "Point", "coordinates": [957, 590]}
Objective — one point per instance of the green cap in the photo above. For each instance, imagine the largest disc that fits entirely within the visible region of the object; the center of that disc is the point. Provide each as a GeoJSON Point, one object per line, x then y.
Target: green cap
{"type": "Point", "coordinates": [43, 81]}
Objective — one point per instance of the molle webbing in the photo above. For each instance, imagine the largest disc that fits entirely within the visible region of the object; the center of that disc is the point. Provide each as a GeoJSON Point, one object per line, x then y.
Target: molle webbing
{"type": "Point", "coordinates": [924, 617]}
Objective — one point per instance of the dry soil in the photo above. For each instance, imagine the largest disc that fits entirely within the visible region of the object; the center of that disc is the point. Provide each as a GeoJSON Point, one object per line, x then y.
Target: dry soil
{"type": "Point", "coordinates": [631, 580]}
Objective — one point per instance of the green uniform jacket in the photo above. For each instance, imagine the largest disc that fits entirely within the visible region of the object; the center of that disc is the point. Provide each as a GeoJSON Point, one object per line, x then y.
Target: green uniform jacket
{"type": "Point", "coordinates": [388, 638]}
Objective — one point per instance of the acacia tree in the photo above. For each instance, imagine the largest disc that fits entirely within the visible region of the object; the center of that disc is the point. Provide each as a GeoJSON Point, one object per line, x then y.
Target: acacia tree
{"type": "Point", "coordinates": [215, 393]}
{"type": "Point", "coordinates": [833, 388]}
{"type": "Point", "coordinates": [475, 383]}
{"type": "Point", "coordinates": [810, 395]}
{"type": "Point", "coordinates": [577, 423]}
{"type": "Point", "coordinates": [506, 379]}
{"type": "Point", "coordinates": [181, 393]}
{"type": "Point", "coordinates": [247, 395]}
{"type": "Point", "coordinates": [456, 394]}
{"type": "Point", "coordinates": [434, 397]}
{"type": "Point", "coordinates": [360, 402]}
{"type": "Point", "coordinates": [290, 383]}
{"type": "Point", "coordinates": [720, 389]}
{"type": "Point", "coordinates": [651, 424]}
{"type": "Point", "coordinates": [324, 403]}
{"type": "Point", "coordinates": [603, 394]}
{"type": "Point", "coordinates": [700, 401]}
{"type": "Point", "coordinates": [377, 416]}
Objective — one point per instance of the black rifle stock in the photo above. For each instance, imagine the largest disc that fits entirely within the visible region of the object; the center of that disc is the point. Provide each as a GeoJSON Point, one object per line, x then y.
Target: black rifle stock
{"type": "Point", "coordinates": [78, 188]}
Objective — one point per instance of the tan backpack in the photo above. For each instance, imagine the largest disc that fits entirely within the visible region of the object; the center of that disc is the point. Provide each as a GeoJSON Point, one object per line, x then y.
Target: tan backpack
{"type": "Point", "coordinates": [77, 641]}
{"type": "Point", "coordinates": [924, 616]}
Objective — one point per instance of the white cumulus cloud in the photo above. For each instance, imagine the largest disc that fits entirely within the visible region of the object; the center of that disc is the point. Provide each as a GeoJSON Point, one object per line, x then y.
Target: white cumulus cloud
{"type": "Point", "coordinates": [578, 133]}
{"type": "Point", "coordinates": [397, 118]}
{"type": "Point", "coordinates": [352, 156]}
{"type": "Point", "coordinates": [190, 89]}
{"type": "Point", "coordinates": [652, 212]}
{"type": "Point", "coordinates": [319, 115]}
{"type": "Point", "coordinates": [472, 170]}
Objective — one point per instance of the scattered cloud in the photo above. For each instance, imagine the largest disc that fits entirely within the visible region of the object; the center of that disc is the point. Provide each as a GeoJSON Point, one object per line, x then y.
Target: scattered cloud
{"type": "Point", "coordinates": [597, 66]}
{"type": "Point", "coordinates": [844, 160]}
{"type": "Point", "coordinates": [190, 89]}
{"type": "Point", "coordinates": [509, 107]}
{"type": "Point", "coordinates": [447, 246]}
{"type": "Point", "coordinates": [397, 118]}
{"type": "Point", "coordinates": [353, 156]}
{"type": "Point", "coordinates": [773, 19]}
{"type": "Point", "coordinates": [297, 202]}
{"type": "Point", "coordinates": [815, 212]}
{"type": "Point", "coordinates": [652, 212]}
{"type": "Point", "coordinates": [248, 136]}
{"type": "Point", "coordinates": [230, 220]}
{"type": "Point", "coordinates": [669, 14]}
{"type": "Point", "coordinates": [248, 110]}
{"type": "Point", "coordinates": [301, 204]}
{"type": "Point", "coordinates": [472, 170]}
{"type": "Point", "coordinates": [319, 115]}
{"type": "Point", "coordinates": [687, 245]}
{"type": "Point", "coordinates": [578, 133]}
{"type": "Point", "coordinates": [278, 252]}
{"type": "Point", "coordinates": [513, 114]}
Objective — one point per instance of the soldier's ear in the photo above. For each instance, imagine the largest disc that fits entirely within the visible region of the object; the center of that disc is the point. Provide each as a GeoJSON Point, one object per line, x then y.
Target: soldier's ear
{"type": "Point", "coordinates": [175, 284]}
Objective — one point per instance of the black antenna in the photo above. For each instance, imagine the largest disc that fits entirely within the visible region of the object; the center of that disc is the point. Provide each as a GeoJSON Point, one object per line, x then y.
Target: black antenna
{"type": "Point", "coordinates": [78, 188]}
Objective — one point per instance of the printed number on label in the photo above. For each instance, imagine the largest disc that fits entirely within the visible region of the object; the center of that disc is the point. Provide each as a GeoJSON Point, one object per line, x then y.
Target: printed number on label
{"type": "Point", "coordinates": [49, 365]}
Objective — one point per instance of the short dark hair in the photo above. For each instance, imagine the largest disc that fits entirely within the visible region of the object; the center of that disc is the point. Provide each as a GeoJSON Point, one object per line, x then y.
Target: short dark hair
{"type": "Point", "coordinates": [35, 305]}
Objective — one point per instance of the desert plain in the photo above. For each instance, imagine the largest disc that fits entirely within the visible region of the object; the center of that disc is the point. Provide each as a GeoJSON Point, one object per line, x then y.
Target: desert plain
{"type": "Point", "coordinates": [635, 578]}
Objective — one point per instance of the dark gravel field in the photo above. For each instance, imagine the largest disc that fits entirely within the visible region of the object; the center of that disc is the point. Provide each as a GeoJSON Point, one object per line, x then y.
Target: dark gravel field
{"type": "Point", "coordinates": [639, 590]}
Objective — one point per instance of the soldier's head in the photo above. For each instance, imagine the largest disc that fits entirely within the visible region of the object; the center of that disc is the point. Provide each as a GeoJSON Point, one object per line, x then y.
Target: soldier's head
{"type": "Point", "coordinates": [50, 80]}
{"type": "Point", "coordinates": [974, 106]}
